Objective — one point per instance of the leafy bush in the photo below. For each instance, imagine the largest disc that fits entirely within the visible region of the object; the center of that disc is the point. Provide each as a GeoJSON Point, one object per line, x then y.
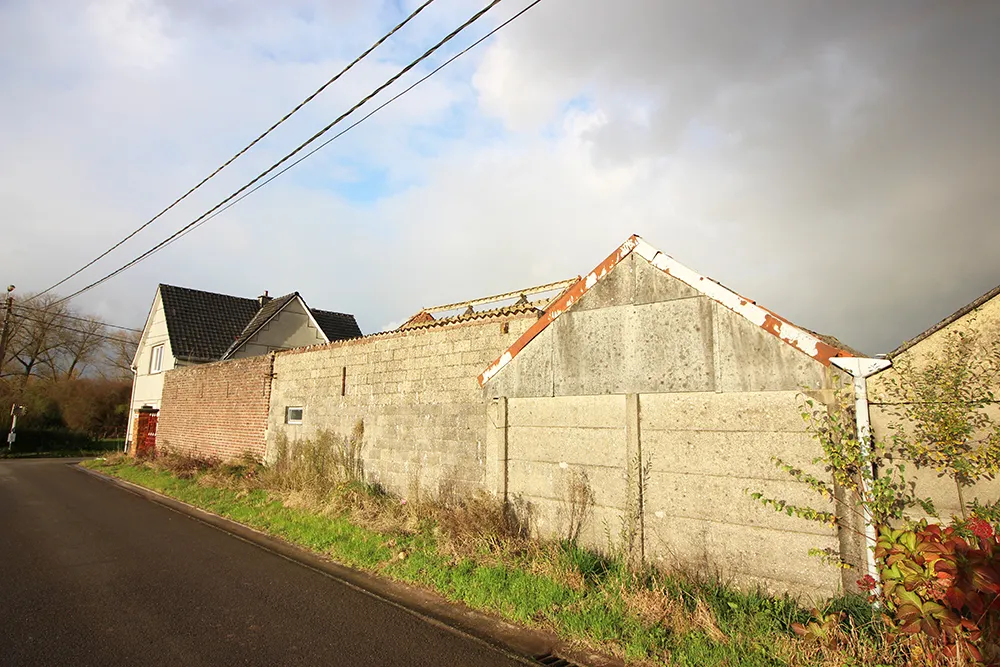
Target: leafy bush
{"type": "Point", "coordinates": [944, 583]}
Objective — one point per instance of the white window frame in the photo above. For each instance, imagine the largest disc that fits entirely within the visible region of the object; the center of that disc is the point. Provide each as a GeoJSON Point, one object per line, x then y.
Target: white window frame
{"type": "Point", "coordinates": [156, 359]}
{"type": "Point", "coordinates": [288, 414]}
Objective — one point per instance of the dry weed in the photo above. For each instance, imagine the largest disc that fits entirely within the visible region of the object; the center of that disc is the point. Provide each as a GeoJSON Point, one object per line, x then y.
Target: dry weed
{"type": "Point", "coordinates": [657, 606]}
{"type": "Point", "coordinates": [844, 647]}
{"type": "Point", "coordinates": [182, 465]}
{"type": "Point", "coordinates": [477, 524]}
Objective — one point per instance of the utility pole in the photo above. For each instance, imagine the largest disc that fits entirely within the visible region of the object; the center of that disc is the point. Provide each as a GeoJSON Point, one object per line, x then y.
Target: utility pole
{"type": "Point", "coordinates": [6, 325]}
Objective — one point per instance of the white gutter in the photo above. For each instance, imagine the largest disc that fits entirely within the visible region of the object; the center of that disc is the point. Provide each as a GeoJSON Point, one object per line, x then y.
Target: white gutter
{"type": "Point", "coordinates": [861, 369]}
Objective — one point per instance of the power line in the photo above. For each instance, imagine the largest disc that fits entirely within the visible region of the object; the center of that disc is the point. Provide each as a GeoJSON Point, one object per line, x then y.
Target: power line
{"type": "Point", "coordinates": [82, 319]}
{"type": "Point", "coordinates": [253, 143]}
{"type": "Point", "coordinates": [351, 126]}
{"type": "Point", "coordinates": [211, 212]}
{"type": "Point", "coordinates": [80, 331]}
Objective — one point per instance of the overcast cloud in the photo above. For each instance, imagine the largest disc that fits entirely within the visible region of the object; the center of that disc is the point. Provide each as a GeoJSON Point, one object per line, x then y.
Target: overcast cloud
{"type": "Point", "coordinates": [838, 162]}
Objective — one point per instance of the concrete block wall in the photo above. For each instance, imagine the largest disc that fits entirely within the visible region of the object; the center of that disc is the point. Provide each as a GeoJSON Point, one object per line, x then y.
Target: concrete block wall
{"type": "Point", "coordinates": [416, 392]}
{"type": "Point", "coordinates": [705, 452]}
{"type": "Point", "coordinates": [556, 443]}
{"type": "Point", "coordinates": [984, 322]}
{"type": "Point", "coordinates": [216, 410]}
{"type": "Point", "coordinates": [675, 383]}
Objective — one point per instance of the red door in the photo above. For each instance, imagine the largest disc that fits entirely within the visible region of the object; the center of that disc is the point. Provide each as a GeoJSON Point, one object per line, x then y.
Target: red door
{"type": "Point", "coordinates": [145, 433]}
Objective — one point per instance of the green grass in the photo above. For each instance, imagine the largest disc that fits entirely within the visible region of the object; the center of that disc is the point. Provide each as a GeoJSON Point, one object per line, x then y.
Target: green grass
{"type": "Point", "coordinates": [594, 611]}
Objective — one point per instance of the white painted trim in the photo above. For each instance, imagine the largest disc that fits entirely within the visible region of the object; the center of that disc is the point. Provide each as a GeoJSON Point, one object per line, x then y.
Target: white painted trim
{"type": "Point", "coordinates": [791, 334]}
{"type": "Point", "coordinates": [298, 297]}
{"type": "Point", "coordinates": [302, 415]}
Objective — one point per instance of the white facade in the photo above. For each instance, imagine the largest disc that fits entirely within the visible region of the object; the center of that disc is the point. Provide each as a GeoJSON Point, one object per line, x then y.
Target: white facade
{"type": "Point", "coordinates": [293, 326]}
{"type": "Point", "coordinates": [147, 385]}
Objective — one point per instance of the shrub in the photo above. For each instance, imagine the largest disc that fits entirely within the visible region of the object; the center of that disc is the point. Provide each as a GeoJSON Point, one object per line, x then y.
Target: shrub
{"type": "Point", "coordinates": [944, 583]}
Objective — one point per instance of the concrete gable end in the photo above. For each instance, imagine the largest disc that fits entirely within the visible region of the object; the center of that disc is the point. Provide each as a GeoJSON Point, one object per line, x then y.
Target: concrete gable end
{"type": "Point", "coordinates": [633, 281]}
{"type": "Point", "coordinates": [652, 284]}
{"type": "Point", "coordinates": [629, 276]}
{"type": "Point", "coordinates": [751, 359]}
{"type": "Point", "coordinates": [529, 374]}
{"type": "Point", "coordinates": [635, 330]}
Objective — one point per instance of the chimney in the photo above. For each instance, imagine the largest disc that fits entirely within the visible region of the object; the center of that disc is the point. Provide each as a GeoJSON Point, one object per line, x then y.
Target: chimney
{"type": "Point", "coordinates": [263, 299]}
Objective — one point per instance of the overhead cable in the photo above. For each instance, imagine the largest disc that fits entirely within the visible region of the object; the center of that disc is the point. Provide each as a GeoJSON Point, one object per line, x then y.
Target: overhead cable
{"type": "Point", "coordinates": [353, 125]}
{"type": "Point", "coordinates": [228, 201]}
{"type": "Point", "coordinates": [228, 162]}
{"type": "Point", "coordinates": [53, 323]}
{"type": "Point", "coordinates": [21, 306]}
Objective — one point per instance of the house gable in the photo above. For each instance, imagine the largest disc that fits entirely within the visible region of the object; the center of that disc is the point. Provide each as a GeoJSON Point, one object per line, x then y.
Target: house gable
{"type": "Point", "coordinates": [642, 322]}
{"type": "Point", "coordinates": [154, 333]}
{"type": "Point", "coordinates": [287, 325]}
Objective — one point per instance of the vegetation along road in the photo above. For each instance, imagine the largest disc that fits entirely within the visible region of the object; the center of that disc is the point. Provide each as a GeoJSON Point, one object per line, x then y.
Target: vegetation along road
{"type": "Point", "coordinates": [91, 574]}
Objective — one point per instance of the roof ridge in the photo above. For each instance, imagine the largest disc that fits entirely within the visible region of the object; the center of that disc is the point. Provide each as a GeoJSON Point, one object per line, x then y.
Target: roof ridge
{"type": "Point", "coordinates": [975, 304]}
{"type": "Point", "coordinates": [798, 337]}
{"type": "Point", "coordinates": [202, 291]}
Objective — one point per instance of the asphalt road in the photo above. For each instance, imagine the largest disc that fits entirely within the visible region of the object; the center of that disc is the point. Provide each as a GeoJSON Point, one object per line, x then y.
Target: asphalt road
{"type": "Point", "coordinates": [91, 574]}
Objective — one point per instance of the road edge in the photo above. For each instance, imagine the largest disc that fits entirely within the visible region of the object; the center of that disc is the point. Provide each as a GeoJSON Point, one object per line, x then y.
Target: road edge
{"type": "Point", "coordinates": [519, 642]}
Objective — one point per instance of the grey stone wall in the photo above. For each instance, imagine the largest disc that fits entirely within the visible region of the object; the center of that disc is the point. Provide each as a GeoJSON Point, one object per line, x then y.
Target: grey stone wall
{"type": "Point", "coordinates": [416, 392]}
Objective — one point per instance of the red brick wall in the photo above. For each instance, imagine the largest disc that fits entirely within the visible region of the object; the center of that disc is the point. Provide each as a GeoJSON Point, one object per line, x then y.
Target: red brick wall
{"type": "Point", "coordinates": [216, 410]}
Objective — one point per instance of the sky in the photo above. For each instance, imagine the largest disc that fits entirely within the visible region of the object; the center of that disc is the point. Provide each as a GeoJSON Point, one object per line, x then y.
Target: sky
{"type": "Point", "coordinates": [837, 162]}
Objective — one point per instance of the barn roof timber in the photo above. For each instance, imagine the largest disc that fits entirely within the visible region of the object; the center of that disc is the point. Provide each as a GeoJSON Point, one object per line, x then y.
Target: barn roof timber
{"type": "Point", "coordinates": [801, 339]}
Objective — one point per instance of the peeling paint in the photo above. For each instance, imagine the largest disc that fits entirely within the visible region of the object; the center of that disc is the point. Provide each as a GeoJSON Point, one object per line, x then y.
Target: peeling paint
{"type": "Point", "coordinates": [559, 306]}
{"type": "Point", "coordinates": [798, 338]}
{"type": "Point", "coordinates": [783, 329]}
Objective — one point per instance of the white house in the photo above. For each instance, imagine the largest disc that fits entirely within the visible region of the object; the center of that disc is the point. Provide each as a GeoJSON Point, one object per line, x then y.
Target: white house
{"type": "Point", "coordinates": [187, 326]}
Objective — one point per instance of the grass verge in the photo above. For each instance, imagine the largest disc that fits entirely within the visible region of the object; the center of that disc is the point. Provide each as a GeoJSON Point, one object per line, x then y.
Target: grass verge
{"type": "Point", "coordinates": [468, 553]}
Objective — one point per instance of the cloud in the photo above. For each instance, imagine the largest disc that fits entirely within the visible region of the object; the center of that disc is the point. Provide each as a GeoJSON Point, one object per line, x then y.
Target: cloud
{"type": "Point", "coordinates": [836, 163]}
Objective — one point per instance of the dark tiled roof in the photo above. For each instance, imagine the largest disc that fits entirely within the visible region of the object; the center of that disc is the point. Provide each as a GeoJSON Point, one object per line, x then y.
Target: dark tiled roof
{"type": "Point", "coordinates": [958, 314]}
{"type": "Point", "coordinates": [205, 326]}
{"type": "Point", "coordinates": [337, 326]}
{"type": "Point", "coordinates": [202, 325]}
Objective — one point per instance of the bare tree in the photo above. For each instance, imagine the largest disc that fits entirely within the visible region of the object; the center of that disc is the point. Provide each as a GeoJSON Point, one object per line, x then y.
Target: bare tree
{"type": "Point", "coordinates": [119, 354]}
{"type": "Point", "coordinates": [79, 345]}
{"type": "Point", "coordinates": [34, 339]}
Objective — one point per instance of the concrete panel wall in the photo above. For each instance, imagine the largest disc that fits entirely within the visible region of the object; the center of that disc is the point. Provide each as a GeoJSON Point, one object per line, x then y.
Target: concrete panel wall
{"type": "Point", "coordinates": [416, 392]}
{"type": "Point", "coordinates": [555, 443]}
{"type": "Point", "coordinates": [714, 397]}
{"type": "Point", "coordinates": [705, 452]}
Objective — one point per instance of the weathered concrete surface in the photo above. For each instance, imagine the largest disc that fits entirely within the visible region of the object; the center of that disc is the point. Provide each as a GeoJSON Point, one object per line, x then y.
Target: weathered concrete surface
{"type": "Point", "coordinates": [425, 420]}
{"type": "Point", "coordinates": [983, 322]}
{"type": "Point", "coordinates": [752, 360]}
{"type": "Point", "coordinates": [707, 452]}
{"type": "Point", "coordinates": [714, 398]}
{"type": "Point", "coordinates": [563, 447]}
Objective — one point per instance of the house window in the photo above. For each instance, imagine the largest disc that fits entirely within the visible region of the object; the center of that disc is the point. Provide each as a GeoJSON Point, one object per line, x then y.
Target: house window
{"type": "Point", "coordinates": [156, 360]}
{"type": "Point", "coordinates": [293, 415]}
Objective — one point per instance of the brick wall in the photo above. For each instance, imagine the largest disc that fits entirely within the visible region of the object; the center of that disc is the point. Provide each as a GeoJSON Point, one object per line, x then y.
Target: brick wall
{"type": "Point", "coordinates": [416, 391]}
{"type": "Point", "coordinates": [216, 410]}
